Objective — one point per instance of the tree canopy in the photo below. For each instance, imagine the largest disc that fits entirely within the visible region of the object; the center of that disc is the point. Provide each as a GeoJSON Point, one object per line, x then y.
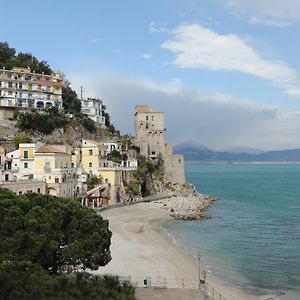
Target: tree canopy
{"type": "Point", "coordinates": [71, 103]}
{"type": "Point", "coordinates": [55, 233]}
{"type": "Point", "coordinates": [9, 59]}
{"type": "Point", "coordinates": [44, 239]}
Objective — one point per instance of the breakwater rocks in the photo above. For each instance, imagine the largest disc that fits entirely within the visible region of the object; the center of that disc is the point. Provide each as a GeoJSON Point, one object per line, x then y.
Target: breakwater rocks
{"type": "Point", "coordinates": [190, 207]}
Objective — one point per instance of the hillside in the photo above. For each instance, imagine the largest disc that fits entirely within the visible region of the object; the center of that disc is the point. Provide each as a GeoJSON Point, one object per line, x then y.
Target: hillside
{"type": "Point", "coordinates": [207, 155]}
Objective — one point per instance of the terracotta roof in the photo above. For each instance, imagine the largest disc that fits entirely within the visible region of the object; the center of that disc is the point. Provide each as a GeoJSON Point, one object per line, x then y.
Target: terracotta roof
{"type": "Point", "coordinates": [49, 82]}
{"type": "Point", "coordinates": [52, 149]}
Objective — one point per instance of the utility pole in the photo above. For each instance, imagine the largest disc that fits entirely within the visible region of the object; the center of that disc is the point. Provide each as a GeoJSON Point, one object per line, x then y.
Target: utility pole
{"type": "Point", "coordinates": [81, 90]}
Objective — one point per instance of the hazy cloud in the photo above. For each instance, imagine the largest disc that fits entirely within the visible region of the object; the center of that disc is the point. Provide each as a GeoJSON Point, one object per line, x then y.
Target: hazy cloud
{"type": "Point", "coordinates": [268, 22]}
{"type": "Point", "coordinates": [199, 47]}
{"type": "Point", "coordinates": [212, 119]}
{"type": "Point", "coordinates": [94, 40]}
{"type": "Point", "coordinates": [276, 9]}
{"type": "Point", "coordinates": [146, 55]}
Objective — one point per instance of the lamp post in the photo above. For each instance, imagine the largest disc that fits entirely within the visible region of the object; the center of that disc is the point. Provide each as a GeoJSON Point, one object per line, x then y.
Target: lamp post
{"type": "Point", "coordinates": [204, 277]}
{"type": "Point", "coordinates": [199, 269]}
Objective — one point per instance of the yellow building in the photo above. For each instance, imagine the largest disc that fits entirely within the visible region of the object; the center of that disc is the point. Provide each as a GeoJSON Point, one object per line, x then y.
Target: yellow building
{"type": "Point", "coordinates": [53, 164]}
{"type": "Point", "coordinates": [93, 154]}
{"type": "Point", "coordinates": [113, 176]}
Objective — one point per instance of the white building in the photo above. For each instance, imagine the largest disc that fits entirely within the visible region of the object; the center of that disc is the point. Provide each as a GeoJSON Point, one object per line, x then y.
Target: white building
{"type": "Point", "coordinates": [20, 87]}
{"type": "Point", "coordinates": [94, 108]}
{"type": "Point", "coordinates": [111, 146]}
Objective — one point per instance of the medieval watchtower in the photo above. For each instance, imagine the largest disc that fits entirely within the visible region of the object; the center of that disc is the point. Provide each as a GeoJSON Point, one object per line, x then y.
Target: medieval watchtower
{"type": "Point", "coordinates": [150, 138]}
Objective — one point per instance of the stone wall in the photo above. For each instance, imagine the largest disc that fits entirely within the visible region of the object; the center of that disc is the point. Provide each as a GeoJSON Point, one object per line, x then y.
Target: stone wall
{"type": "Point", "coordinates": [7, 113]}
{"type": "Point", "coordinates": [174, 168]}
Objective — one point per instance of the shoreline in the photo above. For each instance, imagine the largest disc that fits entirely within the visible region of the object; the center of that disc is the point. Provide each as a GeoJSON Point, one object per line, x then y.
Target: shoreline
{"type": "Point", "coordinates": [141, 248]}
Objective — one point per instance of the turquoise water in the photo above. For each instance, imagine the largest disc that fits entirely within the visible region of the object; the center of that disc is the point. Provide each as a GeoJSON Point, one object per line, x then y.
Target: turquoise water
{"type": "Point", "coordinates": [253, 239]}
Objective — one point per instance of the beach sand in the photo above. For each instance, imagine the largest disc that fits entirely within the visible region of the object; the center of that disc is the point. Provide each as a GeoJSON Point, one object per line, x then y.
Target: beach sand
{"type": "Point", "coordinates": [141, 249]}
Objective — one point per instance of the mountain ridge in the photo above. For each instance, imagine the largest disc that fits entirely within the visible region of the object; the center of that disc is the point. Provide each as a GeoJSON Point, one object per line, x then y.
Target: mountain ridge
{"type": "Point", "coordinates": [207, 155]}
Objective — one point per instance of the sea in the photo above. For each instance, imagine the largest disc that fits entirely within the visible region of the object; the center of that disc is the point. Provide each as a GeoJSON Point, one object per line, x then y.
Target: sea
{"type": "Point", "coordinates": [252, 240]}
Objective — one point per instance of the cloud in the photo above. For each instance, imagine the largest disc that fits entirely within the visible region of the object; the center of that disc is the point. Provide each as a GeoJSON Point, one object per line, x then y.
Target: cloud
{"type": "Point", "coordinates": [146, 55]}
{"type": "Point", "coordinates": [155, 27]}
{"type": "Point", "coordinates": [199, 47]}
{"type": "Point", "coordinates": [268, 22]}
{"type": "Point", "coordinates": [94, 40]}
{"type": "Point", "coordinates": [276, 9]}
{"type": "Point", "coordinates": [212, 119]}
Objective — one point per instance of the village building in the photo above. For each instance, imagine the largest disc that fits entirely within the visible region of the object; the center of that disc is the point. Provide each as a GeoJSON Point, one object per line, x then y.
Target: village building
{"type": "Point", "coordinates": [94, 108]}
{"type": "Point", "coordinates": [53, 165]}
{"type": "Point", "coordinates": [23, 88]}
{"type": "Point", "coordinates": [25, 186]}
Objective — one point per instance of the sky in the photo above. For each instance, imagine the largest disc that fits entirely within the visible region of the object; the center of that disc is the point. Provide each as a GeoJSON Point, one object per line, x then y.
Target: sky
{"type": "Point", "coordinates": [225, 72]}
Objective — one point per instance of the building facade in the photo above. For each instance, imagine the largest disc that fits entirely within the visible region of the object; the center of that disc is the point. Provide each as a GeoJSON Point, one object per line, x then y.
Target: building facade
{"type": "Point", "coordinates": [94, 108]}
{"type": "Point", "coordinates": [20, 87]}
{"type": "Point", "coordinates": [53, 165]}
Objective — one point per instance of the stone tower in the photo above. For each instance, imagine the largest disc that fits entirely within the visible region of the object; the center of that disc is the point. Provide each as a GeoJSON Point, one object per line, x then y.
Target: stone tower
{"type": "Point", "coordinates": [150, 138]}
{"type": "Point", "coordinates": [150, 132]}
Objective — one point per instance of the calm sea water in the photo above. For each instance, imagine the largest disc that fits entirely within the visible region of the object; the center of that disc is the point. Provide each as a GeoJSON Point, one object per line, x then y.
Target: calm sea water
{"type": "Point", "coordinates": [253, 239]}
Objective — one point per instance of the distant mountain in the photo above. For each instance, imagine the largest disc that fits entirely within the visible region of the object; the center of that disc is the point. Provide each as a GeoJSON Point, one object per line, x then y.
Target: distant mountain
{"type": "Point", "coordinates": [248, 150]}
{"type": "Point", "coordinates": [208, 155]}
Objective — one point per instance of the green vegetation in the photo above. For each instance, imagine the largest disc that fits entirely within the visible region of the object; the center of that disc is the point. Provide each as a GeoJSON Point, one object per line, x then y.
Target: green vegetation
{"type": "Point", "coordinates": [109, 125]}
{"type": "Point", "coordinates": [21, 138]}
{"type": "Point", "coordinates": [44, 241]}
{"type": "Point", "coordinates": [44, 122]}
{"type": "Point", "coordinates": [71, 103]}
{"type": "Point", "coordinates": [22, 281]}
{"type": "Point", "coordinates": [93, 181]}
{"type": "Point", "coordinates": [50, 119]}
{"type": "Point", "coordinates": [115, 156]}
{"type": "Point", "coordinates": [143, 177]}
{"type": "Point", "coordinates": [55, 233]}
{"type": "Point", "coordinates": [86, 122]}
{"type": "Point", "coordinates": [9, 59]}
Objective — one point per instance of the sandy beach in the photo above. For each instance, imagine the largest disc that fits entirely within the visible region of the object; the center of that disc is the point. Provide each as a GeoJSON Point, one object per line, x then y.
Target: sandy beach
{"type": "Point", "coordinates": [140, 249]}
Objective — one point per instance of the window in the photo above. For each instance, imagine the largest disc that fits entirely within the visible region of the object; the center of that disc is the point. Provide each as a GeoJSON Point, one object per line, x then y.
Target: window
{"type": "Point", "coordinates": [20, 192]}
{"type": "Point", "coordinates": [10, 84]}
{"type": "Point", "coordinates": [26, 165]}
{"type": "Point", "coordinates": [56, 180]}
{"type": "Point", "coordinates": [20, 86]}
{"type": "Point", "coordinates": [39, 88]}
{"type": "Point", "coordinates": [39, 190]}
{"type": "Point", "coordinates": [147, 118]}
{"type": "Point", "coordinates": [152, 118]}
{"type": "Point", "coordinates": [90, 164]}
{"type": "Point", "coordinates": [25, 154]}
{"type": "Point", "coordinates": [90, 152]}
{"type": "Point", "coordinates": [10, 93]}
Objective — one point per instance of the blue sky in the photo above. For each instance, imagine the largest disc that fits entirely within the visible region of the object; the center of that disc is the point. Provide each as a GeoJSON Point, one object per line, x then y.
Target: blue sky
{"type": "Point", "coordinates": [225, 72]}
